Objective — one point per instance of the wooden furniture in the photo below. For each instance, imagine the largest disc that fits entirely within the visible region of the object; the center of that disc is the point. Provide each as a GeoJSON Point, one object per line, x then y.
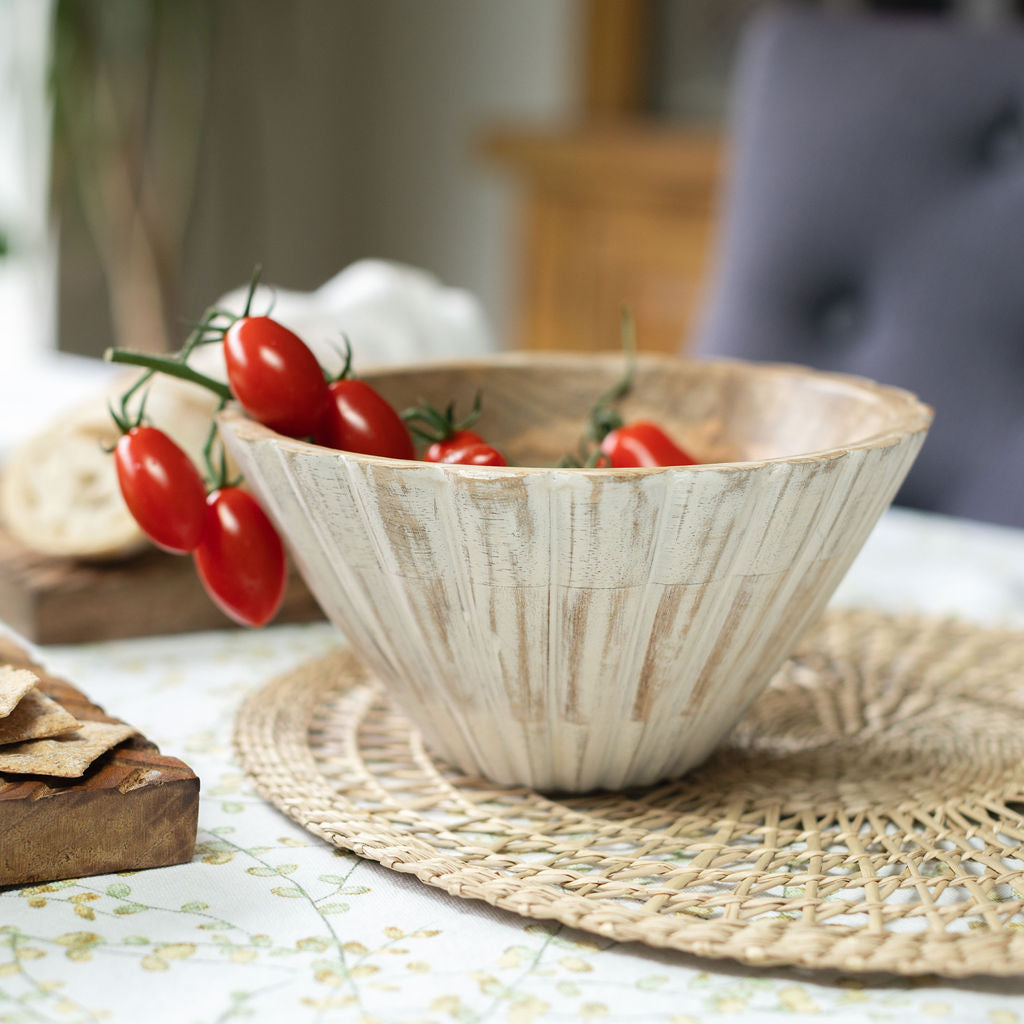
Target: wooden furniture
{"type": "Point", "coordinates": [619, 38]}
{"type": "Point", "coordinates": [617, 213]}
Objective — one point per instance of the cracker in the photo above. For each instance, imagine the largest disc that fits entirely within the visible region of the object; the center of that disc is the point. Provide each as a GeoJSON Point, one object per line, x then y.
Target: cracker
{"type": "Point", "coordinates": [36, 717]}
{"type": "Point", "coordinates": [14, 684]}
{"type": "Point", "coordinates": [64, 757]}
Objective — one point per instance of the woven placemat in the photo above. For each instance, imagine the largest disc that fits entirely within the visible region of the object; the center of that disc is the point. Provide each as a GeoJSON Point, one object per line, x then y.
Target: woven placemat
{"type": "Point", "coordinates": [866, 815]}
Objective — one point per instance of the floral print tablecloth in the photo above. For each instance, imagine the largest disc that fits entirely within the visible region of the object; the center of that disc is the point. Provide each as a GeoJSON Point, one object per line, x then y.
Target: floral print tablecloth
{"type": "Point", "coordinates": [269, 923]}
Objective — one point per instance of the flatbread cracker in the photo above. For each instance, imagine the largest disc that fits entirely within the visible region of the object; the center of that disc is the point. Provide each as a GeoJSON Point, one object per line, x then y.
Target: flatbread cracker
{"type": "Point", "coordinates": [64, 757]}
{"type": "Point", "coordinates": [36, 717]}
{"type": "Point", "coordinates": [14, 684]}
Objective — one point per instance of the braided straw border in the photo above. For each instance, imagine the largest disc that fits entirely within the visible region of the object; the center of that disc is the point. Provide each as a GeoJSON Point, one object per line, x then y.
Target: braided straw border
{"type": "Point", "coordinates": [886, 760]}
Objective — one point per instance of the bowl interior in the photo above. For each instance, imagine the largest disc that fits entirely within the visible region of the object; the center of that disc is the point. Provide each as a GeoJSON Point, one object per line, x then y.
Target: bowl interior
{"type": "Point", "coordinates": [535, 405]}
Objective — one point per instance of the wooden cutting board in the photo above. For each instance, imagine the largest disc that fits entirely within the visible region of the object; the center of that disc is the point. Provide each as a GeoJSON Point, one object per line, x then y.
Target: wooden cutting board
{"type": "Point", "coordinates": [60, 600]}
{"type": "Point", "coordinates": [133, 808]}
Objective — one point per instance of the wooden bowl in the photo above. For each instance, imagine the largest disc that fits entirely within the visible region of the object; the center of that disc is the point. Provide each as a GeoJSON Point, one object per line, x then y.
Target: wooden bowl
{"type": "Point", "coordinates": [572, 629]}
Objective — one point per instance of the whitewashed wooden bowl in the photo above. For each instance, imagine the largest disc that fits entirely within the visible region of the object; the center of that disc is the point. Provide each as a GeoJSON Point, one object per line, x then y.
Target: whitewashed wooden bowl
{"type": "Point", "coordinates": [573, 629]}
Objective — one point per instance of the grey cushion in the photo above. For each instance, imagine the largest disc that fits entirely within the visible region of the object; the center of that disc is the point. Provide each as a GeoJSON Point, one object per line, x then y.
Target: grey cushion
{"type": "Point", "coordinates": [874, 224]}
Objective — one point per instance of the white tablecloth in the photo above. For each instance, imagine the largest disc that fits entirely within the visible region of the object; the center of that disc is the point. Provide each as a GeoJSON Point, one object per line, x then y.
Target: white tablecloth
{"type": "Point", "coordinates": [270, 924]}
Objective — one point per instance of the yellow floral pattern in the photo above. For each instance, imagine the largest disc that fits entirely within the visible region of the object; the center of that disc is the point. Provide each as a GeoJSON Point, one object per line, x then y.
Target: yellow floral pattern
{"type": "Point", "coordinates": [269, 923]}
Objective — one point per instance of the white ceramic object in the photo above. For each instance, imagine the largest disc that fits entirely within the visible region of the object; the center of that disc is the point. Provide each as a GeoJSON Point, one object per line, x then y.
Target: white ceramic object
{"type": "Point", "coordinates": [572, 629]}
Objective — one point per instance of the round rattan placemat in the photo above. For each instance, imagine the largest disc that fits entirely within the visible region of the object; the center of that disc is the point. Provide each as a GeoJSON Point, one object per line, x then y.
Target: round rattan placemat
{"type": "Point", "coordinates": [867, 814]}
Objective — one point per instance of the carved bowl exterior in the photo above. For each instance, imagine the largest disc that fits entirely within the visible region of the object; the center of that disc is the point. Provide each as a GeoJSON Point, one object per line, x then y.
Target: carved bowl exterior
{"type": "Point", "coordinates": [575, 629]}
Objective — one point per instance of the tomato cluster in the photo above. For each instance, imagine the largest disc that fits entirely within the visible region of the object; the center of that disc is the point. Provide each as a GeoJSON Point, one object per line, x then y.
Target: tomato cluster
{"type": "Point", "coordinates": [237, 552]}
{"type": "Point", "coordinates": [277, 379]}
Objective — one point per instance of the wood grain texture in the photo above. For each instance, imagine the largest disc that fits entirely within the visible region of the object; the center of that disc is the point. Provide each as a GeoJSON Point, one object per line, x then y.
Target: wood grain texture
{"type": "Point", "coordinates": [62, 601]}
{"type": "Point", "coordinates": [133, 809]}
{"type": "Point", "coordinates": [576, 629]}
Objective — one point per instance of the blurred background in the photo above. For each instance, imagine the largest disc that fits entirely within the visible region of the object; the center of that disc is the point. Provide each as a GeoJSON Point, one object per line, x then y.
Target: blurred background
{"type": "Point", "coordinates": [829, 182]}
{"type": "Point", "coordinates": [554, 157]}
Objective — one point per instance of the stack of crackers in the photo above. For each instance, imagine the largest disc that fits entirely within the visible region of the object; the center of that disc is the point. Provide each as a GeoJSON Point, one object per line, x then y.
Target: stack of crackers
{"type": "Point", "coordinates": [39, 736]}
{"type": "Point", "coordinates": [81, 793]}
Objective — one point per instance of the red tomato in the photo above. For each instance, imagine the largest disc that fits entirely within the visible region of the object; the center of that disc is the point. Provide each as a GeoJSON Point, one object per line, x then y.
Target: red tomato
{"type": "Point", "coordinates": [360, 420]}
{"type": "Point", "coordinates": [643, 443]}
{"type": "Point", "coordinates": [275, 376]}
{"type": "Point", "coordinates": [439, 450]}
{"type": "Point", "coordinates": [241, 560]}
{"type": "Point", "coordinates": [162, 489]}
{"type": "Point", "coordinates": [475, 455]}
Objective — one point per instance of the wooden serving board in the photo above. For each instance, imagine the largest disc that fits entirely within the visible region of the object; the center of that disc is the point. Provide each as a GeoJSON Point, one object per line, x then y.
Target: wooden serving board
{"type": "Point", "coordinates": [61, 600]}
{"type": "Point", "coordinates": [133, 808]}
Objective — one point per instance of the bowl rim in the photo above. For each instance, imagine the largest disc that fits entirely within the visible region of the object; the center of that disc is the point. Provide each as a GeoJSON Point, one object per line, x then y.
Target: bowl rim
{"type": "Point", "coordinates": [915, 418]}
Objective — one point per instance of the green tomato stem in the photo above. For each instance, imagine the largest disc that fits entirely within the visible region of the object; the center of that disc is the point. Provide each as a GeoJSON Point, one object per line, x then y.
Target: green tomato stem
{"type": "Point", "coordinates": [171, 367]}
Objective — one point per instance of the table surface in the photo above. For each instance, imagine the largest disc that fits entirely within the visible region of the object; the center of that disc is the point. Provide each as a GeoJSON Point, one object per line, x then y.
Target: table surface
{"type": "Point", "coordinates": [270, 923]}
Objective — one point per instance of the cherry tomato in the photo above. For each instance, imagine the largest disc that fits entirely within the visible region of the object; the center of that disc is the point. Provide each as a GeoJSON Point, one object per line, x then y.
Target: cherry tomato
{"type": "Point", "coordinates": [643, 443]}
{"type": "Point", "coordinates": [475, 455]}
{"type": "Point", "coordinates": [275, 376]}
{"type": "Point", "coordinates": [439, 450]}
{"type": "Point", "coordinates": [360, 420]}
{"type": "Point", "coordinates": [240, 559]}
{"type": "Point", "coordinates": [162, 489]}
